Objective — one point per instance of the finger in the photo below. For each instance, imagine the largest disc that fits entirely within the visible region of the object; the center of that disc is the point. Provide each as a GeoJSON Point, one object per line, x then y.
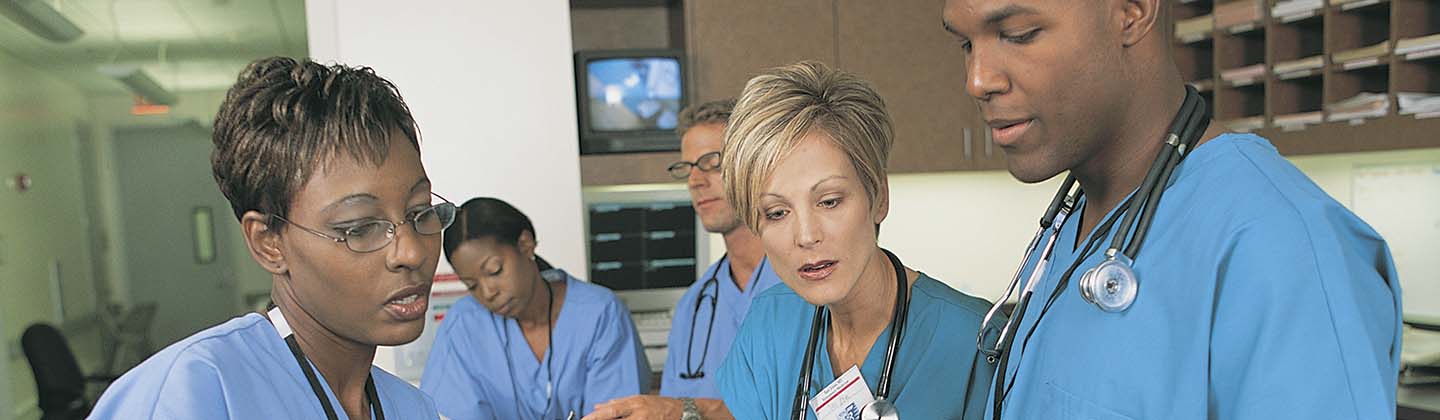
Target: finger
{"type": "Point", "coordinates": [607, 411]}
{"type": "Point", "coordinates": [598, 415]}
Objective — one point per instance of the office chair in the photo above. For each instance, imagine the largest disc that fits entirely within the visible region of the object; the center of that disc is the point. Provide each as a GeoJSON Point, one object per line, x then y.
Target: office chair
{"type": "Point", "coordinates": [59, 384]}
{"type": "Point", "coordinates": [126, 335]}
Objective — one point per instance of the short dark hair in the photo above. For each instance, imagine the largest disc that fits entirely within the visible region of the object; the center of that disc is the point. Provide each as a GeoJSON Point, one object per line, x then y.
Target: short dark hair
{"type": "Point", "coordinates": [713, 112]}
{"type": "Point", "coordinates": [284, 117]}
{"type": "Point", "coordinates": [486, 217]}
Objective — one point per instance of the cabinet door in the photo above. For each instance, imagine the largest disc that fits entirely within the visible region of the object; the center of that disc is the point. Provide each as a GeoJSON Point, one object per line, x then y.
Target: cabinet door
{"type": "Point", "coordinates": [919, 69]}
{"type": "Point", "coordinates": [729, 41]}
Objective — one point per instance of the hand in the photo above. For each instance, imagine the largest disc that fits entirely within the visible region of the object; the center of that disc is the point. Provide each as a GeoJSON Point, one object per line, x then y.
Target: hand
{"type": "Point", "coordinates": [638, 407]}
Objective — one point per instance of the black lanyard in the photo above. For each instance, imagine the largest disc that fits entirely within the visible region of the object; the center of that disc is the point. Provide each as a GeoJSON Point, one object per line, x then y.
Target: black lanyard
{"type": "Point", "coordinates": [314, 380]}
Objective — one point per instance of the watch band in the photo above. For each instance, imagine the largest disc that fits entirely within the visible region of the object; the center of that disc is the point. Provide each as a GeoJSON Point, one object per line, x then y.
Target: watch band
{"type": "Point", "coordinates": [689, 411]}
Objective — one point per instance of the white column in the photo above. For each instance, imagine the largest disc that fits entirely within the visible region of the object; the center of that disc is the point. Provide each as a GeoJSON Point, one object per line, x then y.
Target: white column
{"type": "Point", "coordinates": [491, 85]}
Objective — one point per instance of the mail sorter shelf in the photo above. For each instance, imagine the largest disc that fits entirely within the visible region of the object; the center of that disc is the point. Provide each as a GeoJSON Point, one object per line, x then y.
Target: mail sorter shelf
{"type": "Point", "coordinates": [1191, 8]}
{"type": "Point", "coordinates": [1363, 58]}
{"type": "Point", "coordinates": [1421, 75]}
{"type": "Point", "coordinates": [1196, 60]}
{"type": "Point", "coordinates": [1394, 132]}
{"type": "Point", "coordinates": [1353, 28]}
{"type": "Point", "coordinates": [1240, 102]}
{"type": "Point", "coordinates": [1242, 70]}
{"type": "Point", "coordinates": [1416, 33]}
{"type": "Point", "coordinates": [1288, 12]}
{"type": "Point", "coordinates": [1192, 20]}
{"type": "Point", "coordinates": [1297, 40]}
{"type": "Point", "coordinates": [1302, 95]}
{"type": "Point", "coordinates": [1416, 85]}
{"type": "Point", "coordinates": [1416, 18]}
{"type": "Point", "coordinates": [1343, 83]}
{"type": "Point", "coordinates": [1235, 50]}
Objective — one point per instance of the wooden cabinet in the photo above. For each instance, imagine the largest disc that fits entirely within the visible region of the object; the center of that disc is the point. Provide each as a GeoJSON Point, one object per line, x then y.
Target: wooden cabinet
{"type": "Point", "coordinates": [729, 41]}
{"type": "Point", "coordinates": [920, 71]}
{"type": "Point", "coordinates": [627, 168]}
{"type": "Point", "coordinates": [898, 46]}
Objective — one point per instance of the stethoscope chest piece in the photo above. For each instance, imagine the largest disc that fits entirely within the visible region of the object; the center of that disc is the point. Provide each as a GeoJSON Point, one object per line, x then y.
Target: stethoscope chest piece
{"type": "Point", "coordinates": [880, 409]}
{"type": "Point", "coordinates": [1112, 285]}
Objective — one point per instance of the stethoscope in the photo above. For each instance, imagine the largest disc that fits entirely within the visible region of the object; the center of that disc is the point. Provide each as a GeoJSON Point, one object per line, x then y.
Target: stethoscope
{"type": "Point", "coordinates": [546, 277]}
{"type": "Point", "coordinates": [283, 327]}
{"type": "Point", "coordinates": [1111, 286]}
{"type": "Point", "coordinates": [698, 371]}
{"type": "Point", "coordinates": [881, 408]}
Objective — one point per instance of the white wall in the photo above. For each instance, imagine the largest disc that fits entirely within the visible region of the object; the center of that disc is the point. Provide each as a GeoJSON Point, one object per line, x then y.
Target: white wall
{"type": "Point", "coordinates": [4, 373]}
{"type": "Point", "coordinates": [1411, 244]}
{"type": "Point", "coordinates": [40, 118]}
{"type": "Point", "coordinates": [193, 106]}
{"type": "Point", "coordinates": [491, 87]}
{"type": "Point", "coordinates": [967, 229]}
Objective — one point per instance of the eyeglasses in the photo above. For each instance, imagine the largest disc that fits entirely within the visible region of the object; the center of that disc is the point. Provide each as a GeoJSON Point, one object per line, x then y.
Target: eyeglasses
{"type": "Point", "coordinates": [374, 235]}
{"type": "Point", "coordinates": [707, 162]}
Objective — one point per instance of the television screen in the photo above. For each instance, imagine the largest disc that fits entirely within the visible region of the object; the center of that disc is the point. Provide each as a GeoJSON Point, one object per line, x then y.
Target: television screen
{"type": "Point", "coordinates": [630, 93]}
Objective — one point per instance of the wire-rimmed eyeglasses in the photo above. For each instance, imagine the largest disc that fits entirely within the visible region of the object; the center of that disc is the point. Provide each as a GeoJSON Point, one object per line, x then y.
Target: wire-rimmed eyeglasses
{"type": "Point", "coordinates": [375, 234]}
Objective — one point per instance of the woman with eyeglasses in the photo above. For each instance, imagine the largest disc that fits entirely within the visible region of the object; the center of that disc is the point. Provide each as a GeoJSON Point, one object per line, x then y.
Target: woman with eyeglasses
{"type": "Point", "coordinates": [529, 341]}
{"type": "Point", "coordinates": [321, 165]}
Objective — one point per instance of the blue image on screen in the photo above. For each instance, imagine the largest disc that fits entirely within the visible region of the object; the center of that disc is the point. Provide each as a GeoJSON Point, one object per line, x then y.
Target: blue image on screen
{"type": "Point", "coordinates": [633, 93]}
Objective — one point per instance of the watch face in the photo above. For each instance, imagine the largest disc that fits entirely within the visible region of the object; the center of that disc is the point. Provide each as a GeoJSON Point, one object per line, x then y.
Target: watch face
{"type": "Point", "coordinates": [690, 411]}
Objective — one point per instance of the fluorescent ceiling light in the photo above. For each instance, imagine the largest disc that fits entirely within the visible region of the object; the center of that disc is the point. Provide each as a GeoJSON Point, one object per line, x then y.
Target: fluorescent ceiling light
{"type": "Point", "coordinates": [38, 17]}
{"type": "Point", "coordinates": [140, 83]}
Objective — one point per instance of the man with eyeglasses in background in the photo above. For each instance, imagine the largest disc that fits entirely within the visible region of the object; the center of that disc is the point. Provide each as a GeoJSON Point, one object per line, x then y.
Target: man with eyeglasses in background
{"type": "Point", "coordinates": [710, 313]}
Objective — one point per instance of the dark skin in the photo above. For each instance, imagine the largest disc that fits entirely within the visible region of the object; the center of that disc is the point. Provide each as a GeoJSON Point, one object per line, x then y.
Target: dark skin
{"type": "Point", "coordinates": [1087, 87]}
{"type": "Point", "coordinates": [505, 280]}
{"type": "Point", "coordinates": [333, 298]}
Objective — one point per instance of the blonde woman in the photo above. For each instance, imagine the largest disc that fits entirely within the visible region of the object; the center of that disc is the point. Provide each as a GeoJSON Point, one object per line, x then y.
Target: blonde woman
{"type": "Point", "coordinates": [804, 160]}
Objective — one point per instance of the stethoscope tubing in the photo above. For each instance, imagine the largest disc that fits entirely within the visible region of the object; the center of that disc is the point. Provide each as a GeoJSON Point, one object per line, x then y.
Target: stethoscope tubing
{"type": "Point", "coordinates": [698, 372]}
{"type": "Point", "coordinates": [897, 330]}
{"type": "Point", "coordinates": [1190, 122]}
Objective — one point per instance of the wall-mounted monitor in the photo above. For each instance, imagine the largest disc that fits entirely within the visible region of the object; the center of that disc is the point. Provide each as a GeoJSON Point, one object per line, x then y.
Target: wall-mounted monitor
{"type": "Point", "coordinates": [629, 100]}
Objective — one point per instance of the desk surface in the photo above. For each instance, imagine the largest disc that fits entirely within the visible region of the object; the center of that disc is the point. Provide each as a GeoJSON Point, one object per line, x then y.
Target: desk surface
{"type": "Point", "coordinates": [1418, 402]}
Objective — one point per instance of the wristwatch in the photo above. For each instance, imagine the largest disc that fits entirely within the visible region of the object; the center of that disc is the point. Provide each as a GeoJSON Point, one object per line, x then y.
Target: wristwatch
{"type": "Point", "coordinates": [689, 410]}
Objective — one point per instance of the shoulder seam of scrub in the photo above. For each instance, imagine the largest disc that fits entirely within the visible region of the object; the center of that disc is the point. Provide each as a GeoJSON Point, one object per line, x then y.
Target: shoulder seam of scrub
{"type": "Point", "coordinates": [1293, 210]}
{"type": "Point", "coordinates": [943, 299]}
{"type": "Point", "coordinates": [183, 352]}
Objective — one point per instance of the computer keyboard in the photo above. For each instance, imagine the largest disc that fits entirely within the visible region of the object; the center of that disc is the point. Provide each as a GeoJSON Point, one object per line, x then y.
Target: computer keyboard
{"type": "Point", "coordinates": [654, 330]}
{"type": "Point", "coordinates": [652, 320]}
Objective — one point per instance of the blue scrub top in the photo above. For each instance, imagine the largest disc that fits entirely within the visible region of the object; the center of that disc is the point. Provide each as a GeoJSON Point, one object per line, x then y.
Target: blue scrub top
{"type": "Point", "coordinates": [481, 367]}
{"type": "Point", "coordinates": [729, 311]}
{"type": "Point", "coordinates": [1260, 297]}
{"type": "Point", "coordinates": [932, 371]}
{"type": "Point", "coordinates": [241, 369]}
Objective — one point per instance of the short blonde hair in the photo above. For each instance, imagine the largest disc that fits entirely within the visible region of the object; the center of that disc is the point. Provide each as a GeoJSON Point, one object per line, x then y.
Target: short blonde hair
{"type": "Point", "coordinates": [779, 107]}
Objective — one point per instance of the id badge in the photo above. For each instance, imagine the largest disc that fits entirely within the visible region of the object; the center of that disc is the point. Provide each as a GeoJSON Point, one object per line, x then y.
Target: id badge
{"type": "Point", "coordinates": [844, 398]}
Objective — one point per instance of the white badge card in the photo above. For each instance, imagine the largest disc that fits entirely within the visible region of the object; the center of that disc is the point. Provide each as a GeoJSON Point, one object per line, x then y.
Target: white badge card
{"type": "Point", "coordinates": [843, 399]}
